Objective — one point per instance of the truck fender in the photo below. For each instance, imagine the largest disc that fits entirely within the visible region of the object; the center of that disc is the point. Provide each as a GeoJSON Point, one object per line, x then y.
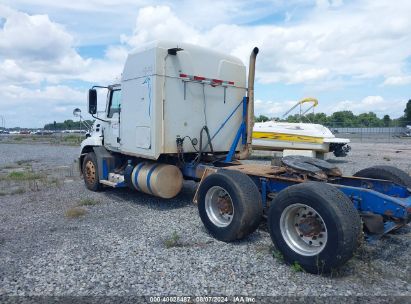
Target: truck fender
{"type": "Point", "coordinates": [87, 146]}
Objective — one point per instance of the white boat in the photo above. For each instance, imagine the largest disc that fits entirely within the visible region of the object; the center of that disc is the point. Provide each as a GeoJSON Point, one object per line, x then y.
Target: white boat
{"type": "Point", "coordinates": [279, 136]}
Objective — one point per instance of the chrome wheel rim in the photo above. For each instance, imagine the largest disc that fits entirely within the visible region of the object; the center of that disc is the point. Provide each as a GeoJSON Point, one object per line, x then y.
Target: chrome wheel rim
{"type": "Point", "coordinates": [219, 206]}
{"type": "Point", "coordinates": [303, 229]}
{"type": "Point", "coordinates": [90, 172]}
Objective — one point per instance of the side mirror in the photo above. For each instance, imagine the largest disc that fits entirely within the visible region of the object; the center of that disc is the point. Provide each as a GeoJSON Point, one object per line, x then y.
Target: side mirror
{"type": "Point", "coordinates": [92, 101]}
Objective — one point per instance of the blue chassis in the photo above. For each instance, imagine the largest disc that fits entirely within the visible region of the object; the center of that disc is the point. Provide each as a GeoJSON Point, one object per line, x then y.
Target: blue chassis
{"type": "Point", "coordinates": [369, 196]}
{"type": "Point", "coordinates": [380, 197]}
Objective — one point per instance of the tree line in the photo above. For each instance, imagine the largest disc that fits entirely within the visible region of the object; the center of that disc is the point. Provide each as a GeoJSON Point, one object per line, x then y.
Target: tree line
{"type": "Point", "coordinates": [348, 119]}
{"type": "Point", "coordinates": [337, 119]}
{"type": "Point", "coordinates": [67, 125]}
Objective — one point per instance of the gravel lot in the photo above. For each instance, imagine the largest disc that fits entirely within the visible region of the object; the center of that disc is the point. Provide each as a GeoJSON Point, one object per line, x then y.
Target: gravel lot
{"type": "Point", "coordinates": [129, 243]}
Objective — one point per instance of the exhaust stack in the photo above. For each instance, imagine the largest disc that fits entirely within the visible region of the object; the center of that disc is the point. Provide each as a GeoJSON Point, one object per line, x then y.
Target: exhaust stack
{"type": "Point", "coordinates": [245, 153]}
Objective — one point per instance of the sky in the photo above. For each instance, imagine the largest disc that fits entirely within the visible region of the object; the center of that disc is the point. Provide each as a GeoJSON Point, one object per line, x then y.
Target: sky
{"type": "Point", "coordinates": [350, 55]}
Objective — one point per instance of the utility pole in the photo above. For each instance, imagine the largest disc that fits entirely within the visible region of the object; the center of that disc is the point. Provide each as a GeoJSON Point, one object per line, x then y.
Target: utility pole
{"type": "Point", "coordinates": [3, 123]}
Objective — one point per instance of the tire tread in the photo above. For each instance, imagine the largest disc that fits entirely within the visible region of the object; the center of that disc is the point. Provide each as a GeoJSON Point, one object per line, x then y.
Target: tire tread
{"type": "Point", "coordinates": [249, 198]}
{"type": "Point", "coordinates": [347, 216]}
{"type": "Point", "coordinates": [386, 172]}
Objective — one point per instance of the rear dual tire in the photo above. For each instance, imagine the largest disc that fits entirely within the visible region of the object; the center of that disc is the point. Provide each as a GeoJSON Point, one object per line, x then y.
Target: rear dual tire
{"type": "Point", "coordinates": [328, 224]}
{"type": "Point", "coordinates": [389, 173]}
{"type": "Point", "coordinates": [314, 225]}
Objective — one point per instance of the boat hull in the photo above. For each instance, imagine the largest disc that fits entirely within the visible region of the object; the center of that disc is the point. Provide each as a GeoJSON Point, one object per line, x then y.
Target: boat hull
{"type": "Point", "coordinates": [280, 145]}
{"type": "Point", "coordinates": [297, 139]}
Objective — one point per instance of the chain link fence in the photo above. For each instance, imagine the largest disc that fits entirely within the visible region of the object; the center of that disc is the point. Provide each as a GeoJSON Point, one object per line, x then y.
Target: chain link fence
{"type": "Point", "coordinates": [392, 134]}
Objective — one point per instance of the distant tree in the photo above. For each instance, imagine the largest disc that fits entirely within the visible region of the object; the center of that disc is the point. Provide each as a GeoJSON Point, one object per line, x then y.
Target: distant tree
{"type": "Point", "coordinates": [293, 118]}
{"type": "Point", "coordinates": [407, 111]}
{"type": "Point", "coordinates": [319, 118]}
{"type": "Point", "coordinates": [387, 120]}
{"type": "Point", "coordinates": [66, 125]}
{"type": "Point", "coordinates": [369, 119]}
{"type": "Point", "coordinates": [343, 119]}
{"type": "Point", "coordinates": [261, 118]}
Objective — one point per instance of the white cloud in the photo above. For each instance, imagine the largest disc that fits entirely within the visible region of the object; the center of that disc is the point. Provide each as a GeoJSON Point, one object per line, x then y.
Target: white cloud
{"type": "Point", "coordinates": [37, 55]}
{"type": "Point", "coordinates": [12, 73]}
{"type": "Point", "coordinates": [273, 108]}
{"type": "Point", "coordinates": [37, 49]}
{"type": "Point", "coordinates": [324, 45]}
{"type": "Point", "coordinates": [325, 4]}
{"type": "Point", "coordinates": [159, 22]}
{"type": "Point", "coordinates": [35, 107]}
{"type": "Point", "coordinates": [376, 104]}
{"type": "Point", "coordinates": [116, 53]}
{"type": "Point", "coordinates": [33, 38]}
{"type": "Point", "coordinates": [50, 94]}
{"type": "Point", "coordinates": [398, 80]}
{"type": "Point", "coordinates": [344, 41]}
{"type": "Point", "coordinates": [336, 41]}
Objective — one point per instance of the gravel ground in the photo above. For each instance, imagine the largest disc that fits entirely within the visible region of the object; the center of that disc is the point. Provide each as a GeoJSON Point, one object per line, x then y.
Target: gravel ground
{"type": "Point", "coordinates": [129, 243]}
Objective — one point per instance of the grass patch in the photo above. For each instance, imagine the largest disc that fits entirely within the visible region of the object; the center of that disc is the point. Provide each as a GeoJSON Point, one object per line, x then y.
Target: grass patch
{"type": "Point", "coordinates": [386, 158]}
{"type": "Point", "coordinates": [75, 212]}
{"type": "Point", "coordinates": [23, 176]}
{"type": "Point", "coordinates": [173, 241]}
{"type": "Point", "coordinates": [72, 139]}
{"type": "Point", "coordinates": [18, 138]}
{"type": "Point", "coordinates": [2, 193]}
{"type": "Point", "coordinates": [296, 267]}
{"type": "Point", "coordinates": [88, 202]}
{"type": "Point", "coordinates": [54, 182]}
{"type": "Point", "coordinates": [262, 250]}
{"type": "Point", "coordinates": [24, 162]}
{"type": "Point", "coordinates": [18, 191]}
{"type": "Point", "coordinates": [278, 256]}
{"type": "Point", "coordinates": [9, 166]}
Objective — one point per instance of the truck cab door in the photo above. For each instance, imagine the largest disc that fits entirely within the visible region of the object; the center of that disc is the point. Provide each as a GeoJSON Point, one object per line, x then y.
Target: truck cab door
{"type": "Point", "coordinates": [111, 131]}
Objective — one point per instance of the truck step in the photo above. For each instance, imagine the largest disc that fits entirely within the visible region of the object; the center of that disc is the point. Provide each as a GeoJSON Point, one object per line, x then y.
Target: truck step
{"type": "Point", "coordinates": [115, 178]}
{"type": "Point", "coordinates": [109, 183]}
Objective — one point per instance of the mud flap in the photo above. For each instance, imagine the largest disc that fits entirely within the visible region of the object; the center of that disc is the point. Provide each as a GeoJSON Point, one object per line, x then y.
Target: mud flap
{"type": "Point", "coordinates": [105, 161]}
{"type": "Point", "coordinates": [207, 172]}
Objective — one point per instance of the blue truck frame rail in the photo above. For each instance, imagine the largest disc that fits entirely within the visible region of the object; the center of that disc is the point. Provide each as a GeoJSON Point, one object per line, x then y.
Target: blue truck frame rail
{"type": "Point", "coordinates": [379, 197]}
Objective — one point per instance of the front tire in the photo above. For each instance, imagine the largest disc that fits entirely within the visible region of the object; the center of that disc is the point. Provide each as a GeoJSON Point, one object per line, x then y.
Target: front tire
{"type": "Point", "coordinates": [229, 205]}
{"type": "Point", "coordinates": [315, 225]}
{"type": "Point", "coordinates": [90, 172]}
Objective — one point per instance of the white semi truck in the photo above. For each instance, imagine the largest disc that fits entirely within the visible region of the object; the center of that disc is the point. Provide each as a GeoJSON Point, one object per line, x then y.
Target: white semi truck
{"type": "Point", "coordinates": [183, 112]}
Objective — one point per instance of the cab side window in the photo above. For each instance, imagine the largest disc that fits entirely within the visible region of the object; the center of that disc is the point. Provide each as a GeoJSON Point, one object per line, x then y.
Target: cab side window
{"type": "Point", "coordinates": [115, 103]}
